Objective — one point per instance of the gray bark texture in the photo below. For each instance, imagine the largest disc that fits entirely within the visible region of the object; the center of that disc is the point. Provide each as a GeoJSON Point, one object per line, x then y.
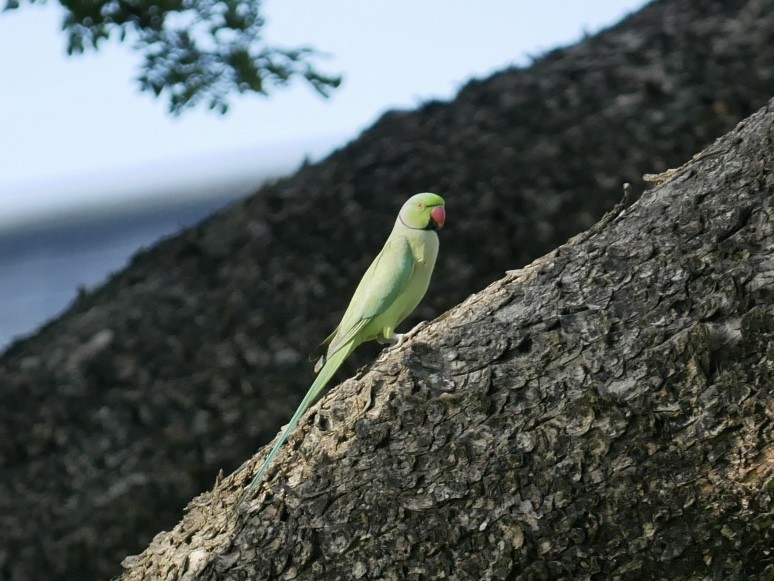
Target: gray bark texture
{"type": "Point", "coordinates": [607, 412]}
{"type": "Point", "coordinates": [115, 415]}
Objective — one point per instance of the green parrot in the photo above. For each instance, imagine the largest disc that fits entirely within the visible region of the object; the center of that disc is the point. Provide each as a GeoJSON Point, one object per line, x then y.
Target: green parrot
{"type": "Point", "coordinates": [389, 291]}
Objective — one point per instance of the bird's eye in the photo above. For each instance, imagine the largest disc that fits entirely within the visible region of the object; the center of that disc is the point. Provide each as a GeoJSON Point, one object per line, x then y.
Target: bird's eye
{"type": "Point", "coordinates": [420, 205]}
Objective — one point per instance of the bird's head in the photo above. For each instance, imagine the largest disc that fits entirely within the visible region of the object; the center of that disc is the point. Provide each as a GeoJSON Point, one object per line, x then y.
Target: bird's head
{"type": "Point", "coordinates": [424, 212]}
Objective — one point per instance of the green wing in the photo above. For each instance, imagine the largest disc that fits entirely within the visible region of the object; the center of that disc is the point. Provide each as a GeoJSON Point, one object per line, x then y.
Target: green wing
{"type": "Point", "coordinates": [386, 279]}
{"type": "Point", "coordinates": [322, 348]}
{"type": "Point", "coordinates": [382, 284]}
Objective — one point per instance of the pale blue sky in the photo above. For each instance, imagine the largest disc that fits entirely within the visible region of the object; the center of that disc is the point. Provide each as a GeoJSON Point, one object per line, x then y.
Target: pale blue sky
{"type": "Point", "coordinates": [75, 129]}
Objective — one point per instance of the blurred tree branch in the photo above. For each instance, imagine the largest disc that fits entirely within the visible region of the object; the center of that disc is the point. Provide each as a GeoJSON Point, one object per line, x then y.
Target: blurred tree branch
{"type": "Point", "coordinates": [194, 51]}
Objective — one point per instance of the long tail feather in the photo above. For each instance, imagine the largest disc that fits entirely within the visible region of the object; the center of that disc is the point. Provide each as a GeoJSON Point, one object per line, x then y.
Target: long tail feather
{"type": "Point", "coordinates": [326, 373]}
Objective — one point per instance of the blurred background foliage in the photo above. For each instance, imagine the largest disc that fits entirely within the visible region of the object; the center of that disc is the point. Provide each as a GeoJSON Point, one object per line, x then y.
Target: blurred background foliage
{"type": "Point", "coordinates": [194, 52]}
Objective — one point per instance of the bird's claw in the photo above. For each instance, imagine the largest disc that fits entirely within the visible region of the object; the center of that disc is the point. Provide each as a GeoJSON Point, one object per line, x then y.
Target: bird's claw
{"type": "Point", "coordinates": [398, 339]}
{"type": "Point", "coordinates": [416, 329]}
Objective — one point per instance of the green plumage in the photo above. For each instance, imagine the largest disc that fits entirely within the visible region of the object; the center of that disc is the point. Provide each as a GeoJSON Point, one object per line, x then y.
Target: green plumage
{"type": "Point", "coordinates": [389, 291]}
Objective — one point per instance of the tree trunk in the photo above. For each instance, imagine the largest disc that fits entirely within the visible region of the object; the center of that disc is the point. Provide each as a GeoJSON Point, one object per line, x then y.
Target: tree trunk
{"type": "Point", "coordinates": [119, 412]}
{"type": "Point", "coordinates": [606, 412]}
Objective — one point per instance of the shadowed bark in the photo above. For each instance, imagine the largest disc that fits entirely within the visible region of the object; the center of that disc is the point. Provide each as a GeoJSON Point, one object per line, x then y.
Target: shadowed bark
{"type": "Point", "coordinates": [606, 412]}
{"type": "Point", "coordinates": [120, 411]}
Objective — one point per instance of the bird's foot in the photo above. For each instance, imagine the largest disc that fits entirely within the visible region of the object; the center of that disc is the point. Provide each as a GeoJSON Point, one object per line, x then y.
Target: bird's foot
{"type": "Point", "coordinates": [398, 339]}
{"type": "Point", "coordinates": [416, 329]}
{"type": "Point", "coordinates": [395, 341]}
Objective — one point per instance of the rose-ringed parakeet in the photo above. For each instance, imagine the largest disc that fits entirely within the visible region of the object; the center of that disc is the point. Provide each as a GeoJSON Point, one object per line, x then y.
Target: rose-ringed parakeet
{"type": "Point", "coordinates": [389, 291]}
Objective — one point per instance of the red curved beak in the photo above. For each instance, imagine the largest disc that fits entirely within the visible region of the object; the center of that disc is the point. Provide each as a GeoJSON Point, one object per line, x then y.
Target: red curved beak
{"type": "Point", "coordinates": [438, 214]}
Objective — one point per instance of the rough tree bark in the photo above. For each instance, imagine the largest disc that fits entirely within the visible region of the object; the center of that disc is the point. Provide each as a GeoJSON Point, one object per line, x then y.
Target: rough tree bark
{"type": "Point", "coordinates": [606, 412]}
{"type": "Point", "coordinates": [116, 414]}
